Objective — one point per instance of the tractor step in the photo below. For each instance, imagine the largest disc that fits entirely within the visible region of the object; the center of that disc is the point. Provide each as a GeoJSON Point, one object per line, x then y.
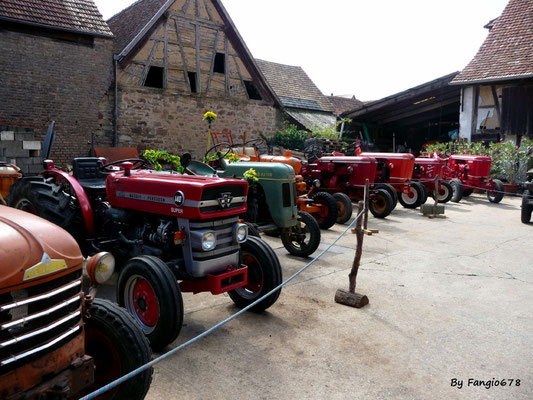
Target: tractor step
{"type": "Point", "coordinates": [217, 284]}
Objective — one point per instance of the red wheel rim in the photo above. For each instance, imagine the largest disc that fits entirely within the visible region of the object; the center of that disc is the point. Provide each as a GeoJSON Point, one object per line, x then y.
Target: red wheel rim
{"type": "Point", "coordinates": [145, 303]}
{"type": "Point", "coordinates": [255, 274]}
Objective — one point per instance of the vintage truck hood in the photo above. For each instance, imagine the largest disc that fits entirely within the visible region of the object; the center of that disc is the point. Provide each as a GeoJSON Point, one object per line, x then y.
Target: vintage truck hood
{"type": "Point", "coordinates": [33, 250]}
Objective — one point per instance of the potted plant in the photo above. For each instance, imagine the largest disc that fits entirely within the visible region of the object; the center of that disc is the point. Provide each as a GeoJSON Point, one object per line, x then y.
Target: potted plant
{"type": "Point", "coordinates": [510, 162]}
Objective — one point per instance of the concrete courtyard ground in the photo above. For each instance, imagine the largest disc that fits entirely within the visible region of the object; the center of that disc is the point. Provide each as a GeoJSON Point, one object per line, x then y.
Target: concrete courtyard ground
{"type": "Point", "coordinates": [449, 299]}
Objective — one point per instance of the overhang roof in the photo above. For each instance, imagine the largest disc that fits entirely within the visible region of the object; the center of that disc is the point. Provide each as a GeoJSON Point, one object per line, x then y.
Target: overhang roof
{"type": "Point", "coordinates": [313, 120]}
{"type": "Point", "coordinates": [80, 16]}
{"type": "Point", "coordinates": [507, 52]}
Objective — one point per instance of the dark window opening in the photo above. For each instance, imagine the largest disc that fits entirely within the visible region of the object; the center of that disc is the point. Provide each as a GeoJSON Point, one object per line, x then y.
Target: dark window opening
{"type": "Point", "coordinates": [253, 93]}
{"type": "Point", "coordinates": [220, 63]}
{"type": "Point", "coordinates": [154, 78]}
{"type": "Point", "coordinates": [192, 81]}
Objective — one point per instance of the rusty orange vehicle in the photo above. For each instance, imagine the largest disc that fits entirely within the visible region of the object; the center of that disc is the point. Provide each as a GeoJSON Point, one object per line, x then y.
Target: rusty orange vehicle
{"type": "Point", "coordinates": [55, 341]}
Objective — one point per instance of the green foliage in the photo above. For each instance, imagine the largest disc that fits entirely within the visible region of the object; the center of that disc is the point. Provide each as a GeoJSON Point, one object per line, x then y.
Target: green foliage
{"type": "Point", "coordinates": [509, 161]}
{"type": "Point", "coordinates": [157, 156]}
{"type": "Point", "coordinates": [231, 157]}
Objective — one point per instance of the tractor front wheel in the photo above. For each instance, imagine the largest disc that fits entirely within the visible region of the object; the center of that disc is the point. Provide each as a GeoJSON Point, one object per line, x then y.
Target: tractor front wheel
{"type": "Point", "coordinates": [344, 207]}
{"type": "Point", "coordinates": [381, 204]}
{"type": "Point", "coordinates": [252, 230]}
{"type": "Point", "coordinates": [445, 192]}
{"type": "Point", "coordinates": [327, 217]}
{"type": "Point", "coordinates": [411, 199]}
{"type": "Point", "coordinates": [148, 289]}
{"type": "Point", "coordinates": [264, 274]}
{"type": "Point", "coordinates": [457, 188]}
{"type": "Point", "coordinates": [118, 346]}
{"type": "Point", "coordinates": [496, 195]}
{"type": "Point", "coordinates": [526, 208]}
{"type": "Point", "coordinates": [390, 189]}
{"type": "Point", "coordinates": [303, 239]}
{"type": "Point", "coordinates": [423, 190]}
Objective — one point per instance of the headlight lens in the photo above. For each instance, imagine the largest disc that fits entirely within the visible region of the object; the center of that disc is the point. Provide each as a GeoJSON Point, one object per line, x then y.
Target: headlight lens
{"type": "Point", "coordinates": [100, 267]}
{"type": "Point", "coordinates": [241, 233]}
{"type": "Point", "coordinates": [209, 241]}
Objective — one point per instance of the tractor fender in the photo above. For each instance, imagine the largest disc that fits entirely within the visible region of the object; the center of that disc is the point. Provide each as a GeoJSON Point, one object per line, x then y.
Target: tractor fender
{"type": "Point", "coordinates": [83, 200]}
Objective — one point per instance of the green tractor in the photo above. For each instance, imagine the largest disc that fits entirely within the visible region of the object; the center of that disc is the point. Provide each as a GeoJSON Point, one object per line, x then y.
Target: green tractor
{"type": "Point", "coordinates": [271, 201]}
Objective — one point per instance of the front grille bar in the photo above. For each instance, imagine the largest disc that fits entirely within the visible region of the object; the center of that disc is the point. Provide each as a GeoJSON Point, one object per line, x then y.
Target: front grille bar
{"type": "Point", "coordinates": [43, 296]}
{"type": "Point", "coordinates": [211, 203]}
{"type": "Point", "coordinates": [40, 348]}
{"type": "Point", "coordinates": [39, 331]}
{"type": "Point", "coordinates": [213, 224]}
{"type": "Point", "coordinates": [48, 311]}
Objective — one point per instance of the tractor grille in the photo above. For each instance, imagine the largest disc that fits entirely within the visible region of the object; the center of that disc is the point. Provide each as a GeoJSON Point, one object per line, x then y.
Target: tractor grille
{"type": "Point", "coordinates": [213, 198]}
{"type": "Point", "coordinates": [39, 319]}
{"type": "Point", "coordinates": [224, 232]}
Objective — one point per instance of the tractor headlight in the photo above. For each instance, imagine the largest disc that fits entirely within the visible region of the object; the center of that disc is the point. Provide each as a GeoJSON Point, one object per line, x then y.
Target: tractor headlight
{"type": "Point", "coordinates": [209, 241]}
{"type": "Point", "coordinates": [316, 183]}
{"type": "Point", "coordinates": [240, 233]}
{"type": "Point", "coordinates": [100, 267]}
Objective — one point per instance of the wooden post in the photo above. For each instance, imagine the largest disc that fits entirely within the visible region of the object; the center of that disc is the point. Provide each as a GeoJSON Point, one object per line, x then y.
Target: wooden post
{"type": "Point", "coordinates": [367, 191]}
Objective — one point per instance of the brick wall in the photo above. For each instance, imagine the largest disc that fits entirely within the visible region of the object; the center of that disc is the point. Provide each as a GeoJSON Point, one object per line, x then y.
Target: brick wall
{"type": "Point", "coordinates": [162, 120]}
{"type": "Point", "coordinates": [44, 79]}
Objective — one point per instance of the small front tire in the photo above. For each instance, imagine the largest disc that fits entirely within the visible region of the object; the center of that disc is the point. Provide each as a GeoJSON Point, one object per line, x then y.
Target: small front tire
{"type": "Point", "coordinates": [344, 207]}
{"type": "Point", "coordinates": [303, 239]}
{"type": "Point", "coordinates": [327, 217]}
{"type": "Point", "coordinates": [411, 199]}
{"type": "Point", "coordinates": [496, 195]}
{"type": "Point", "coordinates": [380, 203]}
{"type": "Point", "coordinates": [526, 208]}
{"type": "Point", "coordinates": [457, 188]}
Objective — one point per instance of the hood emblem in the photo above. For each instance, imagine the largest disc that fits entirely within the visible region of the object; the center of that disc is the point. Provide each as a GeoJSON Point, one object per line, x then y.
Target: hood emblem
{"type": "Point", "coordinates": [226, 200]}
{"type": "Point", "coordinates": [179, 198]}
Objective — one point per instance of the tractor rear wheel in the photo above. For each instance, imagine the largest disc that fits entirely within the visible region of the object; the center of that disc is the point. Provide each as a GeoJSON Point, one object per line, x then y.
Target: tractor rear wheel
{"type": "Point", "coordinates": [148, 289]}
{"type": "Point", "coordinates": [411, 199]}
{"type": "Point", "coordinates": [526, 208]}
{"type": "Point", "coordinates": [43, 197]}
{"type": "Point", "coordinates": [303, 239]}
{"type": "Point", "coordinates": [380, 204]}
{"type": "Point", "coordinates": [344, 207]}
{"type": "Point", "coordinates": [264, 274]}
{"type": "Point", "coordinates": [457, 187]}
{"type": "Point", "coordinates": [423, 190]}
{"type": "Point", "coordinates": [496, 195]}
{"type": "Point", "coordinates": [327, 217]}
{"type": "Point", "coordinates": [118, 346]}
{"type": "Point", "coordinates": [389, 188]}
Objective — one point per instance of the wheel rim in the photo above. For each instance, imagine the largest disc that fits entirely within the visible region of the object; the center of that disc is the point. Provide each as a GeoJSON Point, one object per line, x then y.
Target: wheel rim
{"type": "Point", "coordinates": [410, 197]}
{"type": "Point", "coordinates": [298, 235]}
{"type": "Point", "coordinates": [26, 205]}
{"type": "Point", "coordinates": [108, 364]}
{"type": "Point", "coordinates": [341, 208]}
{"type": "Point", "coordinates": [379, 203]}
{"type": "Point", "coordinates": [443, 193]}
{"type": "Point", "coordinates": [141, 302]}
{"type": "Point", "coordinates": [255, 278]}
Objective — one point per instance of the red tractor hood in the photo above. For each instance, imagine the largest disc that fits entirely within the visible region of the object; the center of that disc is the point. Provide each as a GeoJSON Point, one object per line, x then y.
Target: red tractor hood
{"type": "Point", "coordinates": [182, 196]}
{"type": "Point", "coordinates": [33, 250]}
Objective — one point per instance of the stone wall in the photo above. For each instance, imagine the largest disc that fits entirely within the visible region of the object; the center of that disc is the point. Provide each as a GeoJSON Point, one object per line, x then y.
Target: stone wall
{"type": "Point", "coordinates": [158, 119]}
{"type": "Point", "coordinates": [46, 78]}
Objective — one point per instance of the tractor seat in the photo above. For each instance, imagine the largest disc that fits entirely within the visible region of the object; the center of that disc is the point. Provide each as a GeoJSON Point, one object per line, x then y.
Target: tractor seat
{"type": "Point", "coordinates": [87, 171]}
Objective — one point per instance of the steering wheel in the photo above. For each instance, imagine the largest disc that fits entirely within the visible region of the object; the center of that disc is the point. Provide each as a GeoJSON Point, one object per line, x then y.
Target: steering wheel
{"type": "Point", "coordinates": [216, 146]}
{"type": "Point", "coordinates": [137, 163]}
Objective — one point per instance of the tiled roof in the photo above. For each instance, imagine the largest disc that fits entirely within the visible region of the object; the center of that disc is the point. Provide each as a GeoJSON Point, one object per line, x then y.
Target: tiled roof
{"type": "Point", "coordinates": [129, 22]}
{"type": "Point", "coordinates": [76, 15]}
{"type": "Point", "coordinates": [313, 120]}
{"type": "Point", "coordinates": [293, 84]}
{"type": "Point", "coordinates": [343, 104]}
{"type": "Point", "coordinates": [507, 52]}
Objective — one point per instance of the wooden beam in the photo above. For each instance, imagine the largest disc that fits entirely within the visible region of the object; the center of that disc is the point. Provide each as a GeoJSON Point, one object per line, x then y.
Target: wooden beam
{"type": "Point", "coordinates": [240, 76]}
{"type": "Point", "coordinates": [226, 63]}
{"type": "Point", "coordinates": [497, 104]}
{"type": "Point", "coordinates": [213, 62]}
{"type": "Point", "coordinates": [208, 9]}
{"type": "Point", "coordinates": [197, 8]}
{"type": "Point", "coordinates": [475, 104]}
{"type": "Point", "coordinates": [196, 21]}
{"type": "Point", "coordinates": [198, 80]}
{"type": "Point", "coordinates": [180, 43]}
{"type": "Point", "coordinates": [148, 63]}
{"type": "Point", "coordinates": [410, 113]}
{"type": "Point", "coordinates": [185, 7]}
{"type": "Point", "coordinates": [165, 58]}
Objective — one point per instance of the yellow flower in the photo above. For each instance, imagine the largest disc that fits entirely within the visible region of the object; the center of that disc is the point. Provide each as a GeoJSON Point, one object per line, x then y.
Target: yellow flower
{"type": "Point", "coordinates": [210, 116]}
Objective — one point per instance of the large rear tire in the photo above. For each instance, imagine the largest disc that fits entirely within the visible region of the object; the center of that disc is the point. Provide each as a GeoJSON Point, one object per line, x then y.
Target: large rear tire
{"type": "Point", "coordinates": [390, 189]}
{"type": "Point", "coordinates": [380, 203]}
{"type": "Point", "coordinates": [303, 239]}
{"type": "Point", "coordinates": [118, 346]}
{"type": "Point", "coordinates": [526, 208]}
{"type": "Point", "coordinates": [411, 199]}
{"type": "Point", "coordinates": [264, 274]}
{"type": "Point", "coordinates": [457, 188]}
{"type": "Point", "coordinates": [344, 207]}
{"type": "Point", "coordinates": [43, 197]}
{"type": "Point", "coordinates": [148, 290]}
{"type": "Point", "coordinates": [496, 195]}
{"type": "Point", "coordinates": [327, 217]}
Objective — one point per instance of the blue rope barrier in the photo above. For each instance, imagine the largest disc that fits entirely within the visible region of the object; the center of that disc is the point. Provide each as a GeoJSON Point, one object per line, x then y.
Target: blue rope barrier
{"type": "Point", "coordinates": [144, 367]}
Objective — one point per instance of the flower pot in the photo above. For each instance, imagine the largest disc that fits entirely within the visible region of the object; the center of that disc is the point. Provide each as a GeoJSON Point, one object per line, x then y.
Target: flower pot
{"type": "Point", "coordinates": [510, 187]}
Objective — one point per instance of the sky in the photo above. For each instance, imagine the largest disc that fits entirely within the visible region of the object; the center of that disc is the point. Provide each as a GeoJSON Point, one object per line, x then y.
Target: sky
{"type": "Point", "coordinates": [367, 48]}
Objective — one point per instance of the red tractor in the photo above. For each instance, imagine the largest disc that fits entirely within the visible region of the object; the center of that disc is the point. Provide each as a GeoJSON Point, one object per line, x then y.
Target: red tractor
{"type": "Point", "coordinates": [426, 171]}
{"type": "Point", "coordinates": [396, 170]}
{"type": "Point", "coordinates": [345, 176]}
{"type": "Point", "coordinates": [469, 172]}
{"type": "Point", "coordinates": [162, 228]}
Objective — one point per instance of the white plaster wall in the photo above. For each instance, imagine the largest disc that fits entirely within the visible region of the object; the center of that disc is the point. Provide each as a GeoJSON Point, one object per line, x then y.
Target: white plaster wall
{"type": "Point", "coordinates": [465, 117]}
